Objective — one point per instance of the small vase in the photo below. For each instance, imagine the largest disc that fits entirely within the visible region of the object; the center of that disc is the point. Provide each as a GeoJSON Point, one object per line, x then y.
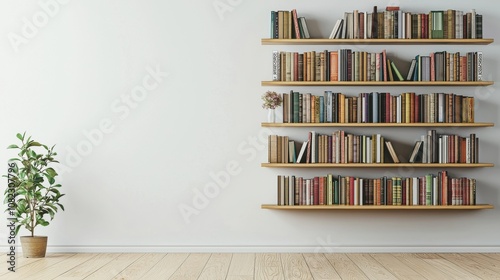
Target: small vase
{"type": "Point", "coordinates": [271, 115]}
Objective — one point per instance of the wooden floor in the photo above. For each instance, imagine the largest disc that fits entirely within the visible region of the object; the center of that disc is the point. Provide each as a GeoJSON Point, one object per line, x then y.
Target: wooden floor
{"type": "Point", "coordinates": [256, 266]}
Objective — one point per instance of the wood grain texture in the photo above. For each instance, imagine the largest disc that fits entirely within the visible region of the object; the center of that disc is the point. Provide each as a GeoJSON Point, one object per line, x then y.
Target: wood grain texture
{"type": "Point", "coordinates": [396, 267]}
{"type": "Point", "coordinates": [138, 268]}
{"type": "Point", "coordinates": [216, 267]}
{"type": "Point", "coordinates": [371, 267]}
{"type": "Point", "coordinates": [165, 267]}
{"type": "Point", "coordinates": [449, 268]}
{"type": "Point", "coordinates": [419, 264]}
{"type": "Point", "coordinates": [242, 267]}
{"type": "Point", "coordinates": [345, 267]}
{"type": "Point", "coordinates": [295, 267]}
{"type": "Point", "coordinates": [113, 268]}
{"type": "Point", "coordinates": [83, 270]}
{"type": "Point", "coordinates": [268, 266]}
{"type": "Point", "coordinates": [257, 266]}
{"type": "Point", "coordinates": [320, 267]}
{"type": "Point", "coordinates": [191, 268]}
{"type": "Point", "coordinates": [471, 266]}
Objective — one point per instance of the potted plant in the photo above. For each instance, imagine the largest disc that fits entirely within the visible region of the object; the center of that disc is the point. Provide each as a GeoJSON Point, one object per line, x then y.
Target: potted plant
{"type": "Point", "coordinates": [35, 192]}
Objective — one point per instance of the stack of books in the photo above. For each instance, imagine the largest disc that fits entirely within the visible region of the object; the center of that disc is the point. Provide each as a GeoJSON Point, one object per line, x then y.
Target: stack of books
{"type": "Point", "coordinates": [377, 107]}
{"type": "Point", "coordinates": [288, 25]}
{"type": "Point", "coordinates": [440, 189]}
{"type": "Point", "coordinates": [393, 23]}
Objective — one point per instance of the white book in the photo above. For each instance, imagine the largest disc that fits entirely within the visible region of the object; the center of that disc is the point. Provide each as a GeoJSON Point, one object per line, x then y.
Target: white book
{"type": "Point", "coordinates": [415, 190]}
{"type": "Point", "coordinates": [473, 24]}
{"type": "Point", "coordinates": [356, 191]}
{"type": "Point", "coordinates": [282, 190]}
{"type": "Point", "coordinates": [369, 150]}
{"type": "Point", "coordinates": [313, 147]}
{"type": "Point", "coordinates": [335, 29]}
{"type": "Point", "coordinates": [440, 143]}
{"type": "Point", "coordinates": [379, 148]}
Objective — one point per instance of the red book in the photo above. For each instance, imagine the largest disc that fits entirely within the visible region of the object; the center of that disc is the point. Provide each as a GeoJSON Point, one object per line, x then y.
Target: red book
{"type": "Point", "coordinates": [392, 8]}
{"type": "Point", "coordinates": [351, 190]}
{"type": "Point", "coordinates": [384, 63]}
{"type": "Point", "coordinates": [334, 66]}
{"type": "Point", "coordinates": [388, 112]}
{"type": "Point", "coordinates": [296, 24]}
{"type": "Point", "coordinates": [321, 191]}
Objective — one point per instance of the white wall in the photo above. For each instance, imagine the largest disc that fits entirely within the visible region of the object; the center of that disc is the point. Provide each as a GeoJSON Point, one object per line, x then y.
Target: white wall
{"type": "Point", "coordinates": [124, 194]}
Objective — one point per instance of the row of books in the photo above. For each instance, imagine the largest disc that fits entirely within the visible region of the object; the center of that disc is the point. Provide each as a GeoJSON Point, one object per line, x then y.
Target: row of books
{"type": "Point", "coordinates": [445, 66]}
{"type": "Point", "coordinates": [440, 189]}
{"type": "Point", "coordinates": [349, 65]}
{"type": "Point", "coordinates": [377, 107]}
{"type": "Point", "coordinates": [445, 148]}
{"type": "Point", "coordinates": [288, 25]}
{"type": "Point", "coordinates": [339, 147]}
{"type": "Point", "coordinates": [393, 23]}
{"type": "Point", "coordinates": [338, 65]}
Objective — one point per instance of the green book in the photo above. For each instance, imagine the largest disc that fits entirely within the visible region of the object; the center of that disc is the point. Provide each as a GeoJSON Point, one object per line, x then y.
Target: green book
{"type": "Point", "coordinates": [396, 71]}
{"type": "Point", "coordinates": [336, 192]}
{"type": "Point", "coordinates": [428, 189]}
{"type": "Point", "coordinates": [296, 107]}
{"type": "Point", "coordinates": [437, 25]}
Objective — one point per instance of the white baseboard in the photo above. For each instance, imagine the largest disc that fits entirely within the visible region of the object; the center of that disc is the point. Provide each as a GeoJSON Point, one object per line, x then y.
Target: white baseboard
{"type": "Point", "coordinates": [269, 249]}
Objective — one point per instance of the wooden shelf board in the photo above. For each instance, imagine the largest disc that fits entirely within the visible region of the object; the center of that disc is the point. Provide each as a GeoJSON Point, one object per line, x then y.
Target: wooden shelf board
{"type": "Point", "coordinates": [397, 83]}
{"type": "Point", "coordinates": [377, 165]}
{"type": "Point", "coordinates": [480, 124]}
{"type": "Point", "coordinates": [376, 207]}
{"type": "Point", "coordinates": [376, 41]}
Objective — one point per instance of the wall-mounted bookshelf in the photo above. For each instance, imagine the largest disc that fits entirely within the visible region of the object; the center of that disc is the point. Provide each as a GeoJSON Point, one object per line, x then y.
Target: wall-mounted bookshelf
{"type": "Point", "coordinates": [376, 207]}
{"type": "Point", "coordinates": [292, 42]}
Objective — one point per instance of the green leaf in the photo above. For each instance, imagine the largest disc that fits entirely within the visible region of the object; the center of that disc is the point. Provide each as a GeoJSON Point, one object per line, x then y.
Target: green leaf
{"type": "Point", "coordinates": [51, 172]}
{"type": "Point", "coordinates": [34, 144]}
{"type": "Point", "coordinates": [20, 137]}
{"type": "Point", "coordinates": [13, 146]}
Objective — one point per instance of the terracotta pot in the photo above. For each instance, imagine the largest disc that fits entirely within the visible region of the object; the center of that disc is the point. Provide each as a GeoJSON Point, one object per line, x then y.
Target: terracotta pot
{"type": "Point", "coordinates": [34, 247]}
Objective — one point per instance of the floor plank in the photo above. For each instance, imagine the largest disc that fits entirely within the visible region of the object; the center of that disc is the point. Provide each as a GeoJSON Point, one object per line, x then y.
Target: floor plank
{"type": "Point", "coordinates": [30, 270]}
{"type": "Point", "coordinates": [256, 266]}
{"type": "Point", "coordinates": [166, 266]}
{"type": "Point", "coordinates": [471, 266]}
{"type": "Point", "coordinates": [140, 267]}
{"type": "Point", "coordinates": [242, 267]}
{"type": "Point", "coordinates": [191, 268]}
{"type": "Point", "coordinates": [85, 269]}
{"type": "Point", "coordinates": [216, 267]}
{"type": "Point", "coordinates": [484, 259]}
{"type": "Point", "coordinates": [396, 267]}
{"type": "Point", "coordinates": [268, 266]}
{"type": "Point", "coordinates": [345, 267]}
{"type": "Point", "coordinates": [295, 267]}
{"type": "Point", "coordinates": [371, 267]}
{"type": "Point", "coordinates": [320, 267]}
{"type": "Point", "coordinates": [493, 256]}
{"type": "Point", "coordinates": [20, 262]}
{"type": "Point", "coordinates": [114, 267]}
{"type": "Point", "coordinates": [449, 268]}
{"type": "Point", "coordinates": [420, 265]}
